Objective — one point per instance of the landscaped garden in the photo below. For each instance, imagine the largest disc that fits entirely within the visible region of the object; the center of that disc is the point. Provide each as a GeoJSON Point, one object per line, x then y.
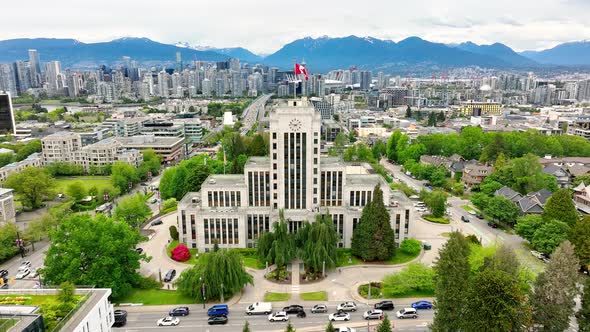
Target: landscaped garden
{"type": "Point", "coordinates": [156, 297]}
{"type": "Point", "coordinates": [276, 297]}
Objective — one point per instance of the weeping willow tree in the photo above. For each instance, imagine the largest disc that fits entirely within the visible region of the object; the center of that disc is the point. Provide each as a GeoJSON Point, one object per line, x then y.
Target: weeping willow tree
{"type": "Point", "coordinates": [277, 247]}
{"type": "Point", "coordinates": [220, 271]}
{"type": "Point", "coordinates": [317, 243]}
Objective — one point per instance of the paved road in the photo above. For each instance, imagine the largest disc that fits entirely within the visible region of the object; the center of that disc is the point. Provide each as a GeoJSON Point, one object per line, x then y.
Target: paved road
{"type": "Point", "coordinates": [36, 258]}
{"type": "Point", "coordinates": [253, 112]}
{"type": "Point", "coordinates": [197, 321]}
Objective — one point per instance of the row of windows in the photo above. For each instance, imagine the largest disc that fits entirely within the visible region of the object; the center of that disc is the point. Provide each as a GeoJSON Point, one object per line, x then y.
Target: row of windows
{"type": "Point", "coordinates": [360, 197]}
{"type": "Point", "coordinates": [259, 188]}
{"type": "Point", "coordinates": [331, 188]}
{"type": "Point", "coordinates": [222, 230]}
{"type": "Point", "coordinates": [224, 198]}
{"type": "Point", "coordinates": [257, 224]}
{"type": "Point", "coordinates": [295, 157]}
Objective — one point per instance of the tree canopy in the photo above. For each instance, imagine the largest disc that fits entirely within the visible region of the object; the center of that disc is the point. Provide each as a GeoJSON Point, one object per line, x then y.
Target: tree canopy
{"type": "Point", "coordinates": [34, 184]}
{"type": "Point", "coordinates": [561, 207]}
{"type": "Point", "coordinates": [133, 210]}
{"type": "Point", "coordinates": [123, 176]}
{"type": "Point", "coordinates": [317, 243]}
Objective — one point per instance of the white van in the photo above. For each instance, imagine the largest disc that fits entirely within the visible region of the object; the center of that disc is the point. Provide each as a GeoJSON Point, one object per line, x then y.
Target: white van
{"type": "Point", "coordinates": [259, 308]}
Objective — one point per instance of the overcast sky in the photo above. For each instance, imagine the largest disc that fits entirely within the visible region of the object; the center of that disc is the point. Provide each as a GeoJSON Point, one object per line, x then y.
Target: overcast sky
{"type": "Point", "coordinates": [263, 26]}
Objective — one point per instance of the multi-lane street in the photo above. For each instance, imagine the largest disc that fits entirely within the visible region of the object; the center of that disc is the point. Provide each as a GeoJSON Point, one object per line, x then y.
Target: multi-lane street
{"type": "Point", "coordinates": [253, 112]}
{"type": "Point", "coordinates": [197, 320]}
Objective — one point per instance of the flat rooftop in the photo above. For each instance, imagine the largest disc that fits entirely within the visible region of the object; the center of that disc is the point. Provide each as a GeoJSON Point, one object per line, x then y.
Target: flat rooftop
{"type": "Point", "coordinates": [225, 180]}
{"type": "Point", "coordinates": [152, 141]}
{"type": "Point", "coordinates": [258, 162]}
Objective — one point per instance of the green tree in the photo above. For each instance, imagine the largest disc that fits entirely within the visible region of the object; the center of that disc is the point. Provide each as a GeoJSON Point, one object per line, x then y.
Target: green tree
{"type": "Point", "coordinates": [123, 176]}
{"type": "Point", "coordinates": [77, 191]}
{"type": "Point", "coordinates": [583, 314]}
{"type": "Point", "coordinates": [561, 207]}
{"type": "Point", "coordinates": [391, 146]}
{"type": "Point", "coordinates": [83, 248]}
{"type": "Point", "coordinates": [246, 327]}
{"type": "Point", "coordinates": [374, 239]}
{"type": "Point", "coordinates": [340, 143]}
{"type": "Point", "coordinates": [550, 235]}
{"type": "Point", "coordinates": [8, 246]}
{"type": "Point", "coordinates": [133, 210]}
{"type": "Point", "coordinates": [330, 327]}
{"type": "Point", "coordinates": [431, 119]}
{"type": "Point", "coordinates": [451, 298]}
{"type": "Point", "coordinates": [220, 271]}
{"type": "Point", "coordinates": [528, 225]}
{"type": "Point", "coordinates": [502, 209]}
{"type": "Point", "coordinates": [67, 292]}
{"type": "Point", "coordinates": [555, 289]}
{"type": "Point", "coordinates": [173, 233]}
{"type": "Point", "coordinates": [580, 237]}
{"type": "Point", "coordinates": [289, 327]}
{"type": "Point", "coordinates": [257, 146]}
{"type": "Point", "coordinates": [408, 112]}
{"type": "Point", "coordinates": [385, 325]}
{"type": "Point", "coordinates": [33, 184]}
{"type": "Point", "coordinates": [319, 241]}
{"type": "Point", "coordinates": [6, 158]}
{"type": "Point", "coordinates": [415, 277]}
{"type": "Point", "coordinates": [27, 150]}
{"type": "Point", "coordinates": [379, 150]}
{"type": "Point", "coordinates": [38, 229]}
{"type": "Point", "coordinates": [437, 202]}
{"type": "Point", "coordinates": [150, 165]}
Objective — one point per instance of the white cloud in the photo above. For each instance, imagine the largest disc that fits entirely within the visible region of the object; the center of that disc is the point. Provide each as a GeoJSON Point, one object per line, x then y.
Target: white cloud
{"type": "Point", "coordinates": [266, 25]}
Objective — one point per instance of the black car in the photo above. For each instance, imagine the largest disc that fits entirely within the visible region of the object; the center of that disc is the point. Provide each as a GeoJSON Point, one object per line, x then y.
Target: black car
{"type": "Point", "coordinates": [384, 305]}
{"type": "Point", "coordinates": [293, 309]}
{"type": "Point", "coordinates": [492, 225]}
{"type": "Point", "coordinates": [180, 311]}
{"type": "Point", "coordinates": [479, 216]}
{"type": "Point", "coordinates": [120, 318]}
{"type": "Point", "coordinates": [215, 320]}
{"type": "Point", "coordinates": [464, 219]}
{"type": "Point", "coordinates": [156, 222]}
{"type": "Point", "coordinates": [170, 275]}
{"type": "Point", "coordinates": [3, 273]}
{"type": "Point", "coordinates": [139, 250]}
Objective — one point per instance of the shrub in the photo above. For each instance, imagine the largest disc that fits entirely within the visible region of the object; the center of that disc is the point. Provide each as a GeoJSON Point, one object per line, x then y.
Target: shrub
{"type": "Point", "coordinates": [173, 233]}
{"type": "Point", "coordinates": [473, 239]}
{"type": "Point", "coordinates": [411, 247]}
{"type": "Point", "coordinates": [169, 203]}
{"type": "Point", "coordinates": [180, 253]}
{"type": "Point", "coordinates": [414, 277]}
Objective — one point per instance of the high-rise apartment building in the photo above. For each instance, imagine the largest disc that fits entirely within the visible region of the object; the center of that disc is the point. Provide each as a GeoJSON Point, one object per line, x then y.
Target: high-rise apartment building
{"type": "Point", "coordinates": [234, 210]}
{"type": "Point", "coordinates": [7, 123]}
{"type": "Point", "coordinates": [365, 80]}
{"type": "Point", "coordinates": [35, 64]}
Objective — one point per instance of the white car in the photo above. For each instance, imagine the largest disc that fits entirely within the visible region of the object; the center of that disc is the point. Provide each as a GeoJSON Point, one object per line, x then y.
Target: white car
{"type": "Point", "coordinates": [471, 212]}
{"type": "Point", "coordinates": [24, 265]}
{"type": "Point", "coordinates": [373, 314]}
{"type": "Point", "coordinates": [421, 209]}
{"type": "Point", "coordinates": [22, 273]}
{"type": "Point", "coordinates": [340, 316]}
{"type": "Point", "coordinates": [419, 204]}
{"type": "Point", "coordinates": [537, 254]}
{"type": "Point", "coordinates": [34, 273]}
{"type": "Point", "coordinates": [280, 316]}
{"type": "Point", "coordinates": [346, 306]}
{"type": "Point", "coordinates": [168, 321]}
{"type": "Point", "coordinates": [346, 329]}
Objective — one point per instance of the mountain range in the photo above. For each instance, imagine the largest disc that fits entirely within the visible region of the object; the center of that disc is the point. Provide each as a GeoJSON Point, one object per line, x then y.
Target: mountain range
{"type": "Point", "coordinates": [321, 54]}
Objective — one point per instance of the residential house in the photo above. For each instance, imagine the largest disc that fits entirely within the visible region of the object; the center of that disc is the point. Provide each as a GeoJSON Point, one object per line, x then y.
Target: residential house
{"type": "Point", "coordinates": [561, 174]}
{"type": "Point", "coordinates": [531, 203]}
{"type": "Point", "coordinates": [474, 174]}
{"type": "Point", "coordinates": [582, 197]}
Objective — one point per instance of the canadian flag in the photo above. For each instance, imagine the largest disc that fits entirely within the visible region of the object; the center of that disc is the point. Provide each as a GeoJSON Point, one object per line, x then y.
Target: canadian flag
{"type": "Point", "coordinates": [300, 69]}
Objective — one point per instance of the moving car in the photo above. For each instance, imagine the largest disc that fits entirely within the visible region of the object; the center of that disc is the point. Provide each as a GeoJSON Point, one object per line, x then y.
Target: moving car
{"type": "Point", "coordinates": [464, 219]}
{"type": "Point", "coordinates": [419, 204]}
{"type": "Point", "coordinates": [345, 329]}
{"type": "Point", "coordinates": [217, 320]}
{"type": "Point", "coordinates": [139, 250]}
{"type": "Point", "coordinates": [479, 216]}
{"type": "Point", "coordinates": [407, 313]}
{"type": "Point", "coordinates": [384, 305]}
{"type": "Point", "coordinates": [168, 321]}
{"type": "Point", "coordinates": [34, 273]}
{"type": "Point", "coordinates": [23, 273]}
{"type": "Point", "coordinates": [471, 212]}
{"type": "Point", "coordinates": [293, 309]}
{"type": "Point", "coordinates": [421, 209]}
{"type": "Point", "coordinates": [422, 305]}
{"type": "Point", "coordinates": [120, 318]}
{"type": "Point", "coordinates": [24, 265]}
{"type": "Point", "coordinates": [373, 314]}
{"type": "Point", "coordinates": [346, 306]}
{"type": "Point", "coordinates": [3, 273]}
{"type": "Point", "coordinates": [180, 311]}
{"type": "Point", "coordinates": [218, 310]}
{"type": "Point", "coordinates": [156, 222]}
{"type": "Point", "coordinates": [319, 308]}
{"type": "Point", "coordinates": [278, 316]}
{"type": "Point", "coordinates": [492, 225]}
{"type": "Point", "coordinates": [170, 275]}
{"type": "Point", "coordinates": [259, 308]}
{"type": "Point", "coordinates": [339, 316]}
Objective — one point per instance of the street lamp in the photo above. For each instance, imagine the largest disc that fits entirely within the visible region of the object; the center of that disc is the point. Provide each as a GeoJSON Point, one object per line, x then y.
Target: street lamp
{"type": "Point", "coordinates": [222, 300]}
{"type": "Point", "coordinates": [324, 269]}
{"type": "Point", "coordinates": [203, 290]}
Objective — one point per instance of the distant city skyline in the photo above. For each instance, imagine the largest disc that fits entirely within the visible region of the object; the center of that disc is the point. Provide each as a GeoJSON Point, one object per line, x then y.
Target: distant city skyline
{"type": "Point", "coordinates": [264, 26]}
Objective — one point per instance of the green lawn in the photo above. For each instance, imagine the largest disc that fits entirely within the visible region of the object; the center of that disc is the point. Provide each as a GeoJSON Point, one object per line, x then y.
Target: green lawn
{"type": "Point", "coordinates": [276, 297]}
{"type": "Point", "coordinates": [156, 297]}
{"type": "Point", "coordinates": [400, 258]}
{"type": "Point", "coordinates": [5, 324]}
{"type": "Point", "coordinates": [193, 260]}
{"type": "Point", "coordinates": [345, 258]}
{"type": "Point", "coordinates": [26, 299]}
{"type": "Point", "coordinates": [99, 182]}
{"type": "Point", "coordinates": [436, 220]}
{"type": "Point", "coordinates": [314, 296]}
{"type": "Point", "coordinates": [376, 293]}
{"type": "Point", "coordinates": [467, 208]}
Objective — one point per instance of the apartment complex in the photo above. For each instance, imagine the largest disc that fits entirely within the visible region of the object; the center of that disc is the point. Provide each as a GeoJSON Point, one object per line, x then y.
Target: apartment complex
{"type": "Point", "coordinates": [476, 108]}
{"type": "Point", "coordinates": [34, 160]}
{"type": "Point", "coordinates": [234, 210]}
{"type": "Point", "coordinates": [60, 147]}
{"type": "Point", "coordinates": [7, 210]}
{"type": "Point", "coordinates": [169, 148]}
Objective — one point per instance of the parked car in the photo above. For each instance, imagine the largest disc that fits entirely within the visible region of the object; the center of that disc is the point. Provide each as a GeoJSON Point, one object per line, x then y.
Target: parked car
{"type": "Point", "coordinates": [22, 273]}
{"type": "Point", "coordinates": [537, 254]}
{"type": "Point", "coordinates": [154, 201]}
{"type": "Point", "coordinates": [421, 209]}
{"type": "Point", "coordinates": [422, 305]}
{"type": "Point", "coordinates": [3, 273]}
{"type": "Point", "coordinates": [479, 216]}
{"type": "Point", "coordinates": [34, 273]}
{"type": "Point", "coordinates": [293, 309]}
{"type": "Point", "coordinates": [384, 305]}
{"type": "Point", "coordinates": [4, 283]}
{"type": "Point", "coordinates": [492, 224]}
{"type": "Point", "coordinates": [218, 310]}
{"type": "Point", "coordinates": [24, 265]}
{"type": "Point", "coordinates": [373, 314]}
{"type": "Point", "coordinates": [345, 329]}
{"type": "Point", "coordinates": [170, 275]}
{"type": "Point", "coordinates": [319, 308]}
{"type": "Point", "coordinates": [419, 204]}
{"type": "Point", "coordinates": [464, 219]}
{"type": "Point", "coordinates": [139, 250]}
{"type": "Point", "coordinates": [278, 316]}
{"type": "Point", "coordinates": [168, 321]}
{"type": "Point", "coordinates": [339, 316]}
{"type": "Point", "coordinates": [346, 306]}
{"type": "Point", "coordinates": [407, 313]}
{"type": "Point", "coordinates": [120, 318]}
{"type": "Point", "coordinates": [156, 222]}
{"type": "Point", "coordinates": [471, 212]}
{"type": "Point", "coordinates": [217, 320]}
{"type": "Point", "coordinates": [545, 258]}
{"type": "Point", "coordinates": [180, 311]}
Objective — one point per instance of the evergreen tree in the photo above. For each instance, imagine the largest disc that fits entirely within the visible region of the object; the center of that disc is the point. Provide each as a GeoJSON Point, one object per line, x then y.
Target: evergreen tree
{"type": "Point", "coordinates": [452, 270]}
{"type": "Point", "coordinates": [385, 325]}
{"type": "Point", "coordinates": [580, 238]}
{"type": "Point", "coordinates": [391, 147]}
{"type": "Point", "coordinates": [374, 239]}
{"type": "Point", "coordinates": [246, 327]}
{"type": "Point", "coordinates": [408, 112]}
{"type": "Point", "coordinates": [277, 247]}
{"type": "Point", "coordinates": [431, 119]}
{"type": "Point", "coordinates": [330, 327]}
{"type": "Point", "coordinates": [583, 315]}
{"type": "Point", "coordinates": [317, 243]}
{"type": "Point", "coordinates": [289, 328]}
{"type": "Point", "coordinates": [560, 207]}
{"type": "Point", "coordinates": [555, 289]}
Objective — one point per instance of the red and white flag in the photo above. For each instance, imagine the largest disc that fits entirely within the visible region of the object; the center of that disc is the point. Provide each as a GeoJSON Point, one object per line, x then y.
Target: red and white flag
{"type": "Point", "coordinates": [301, 70]}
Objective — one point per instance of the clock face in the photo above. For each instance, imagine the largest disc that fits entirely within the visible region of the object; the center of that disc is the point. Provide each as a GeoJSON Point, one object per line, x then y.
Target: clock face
{"type": "Point", "coordinates": [295, 125]}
